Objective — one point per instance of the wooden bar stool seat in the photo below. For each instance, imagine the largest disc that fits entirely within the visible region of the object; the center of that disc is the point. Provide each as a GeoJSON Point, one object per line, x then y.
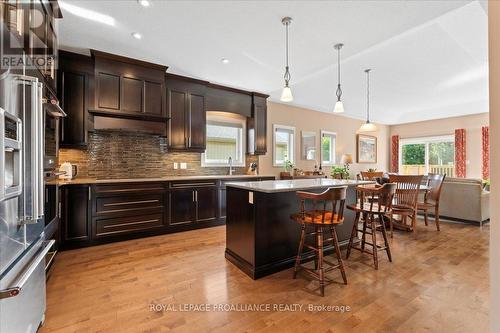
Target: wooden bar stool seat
{"type": "Point", "coordinates": [331, 215]}
{"type": "Point", "coordinates": [316, 217]}
{"type": "Point", "coordinates": [373, 212]}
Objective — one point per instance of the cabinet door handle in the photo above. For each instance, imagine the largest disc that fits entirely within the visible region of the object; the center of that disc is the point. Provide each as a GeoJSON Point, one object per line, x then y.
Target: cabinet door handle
{"type": "Point", "coordinates": [90, 194]}
{"type": "Point", "coordinates": [193, 195]}
{"type": "Point", "coordinates": [196, 196]}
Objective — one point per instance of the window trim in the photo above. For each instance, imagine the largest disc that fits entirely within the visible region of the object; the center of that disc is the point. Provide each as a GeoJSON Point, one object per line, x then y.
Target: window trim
{"type": "Point", "coordinates": [292, 148]}
{"type": "Point", "coordinates": [333, 153]}
{"type": "Point", "coordinates": [423, 140]}
{"type": "Point", "coordinates": [221, 121]}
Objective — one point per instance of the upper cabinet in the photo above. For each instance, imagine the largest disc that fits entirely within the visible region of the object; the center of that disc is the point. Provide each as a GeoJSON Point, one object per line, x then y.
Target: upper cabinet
{"type": "Point", "coordinates": [257, 125]}
{"type": "Point", "coordinates": [129, 88]}
{"type": "Point", "coordinates": [74, 90]}
{"type": "Point", "coordinates": [186, 107]}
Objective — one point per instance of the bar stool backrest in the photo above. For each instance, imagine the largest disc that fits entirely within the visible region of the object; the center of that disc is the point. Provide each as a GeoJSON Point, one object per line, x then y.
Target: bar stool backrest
{"type": "Point", "coordinates": [334, 195]}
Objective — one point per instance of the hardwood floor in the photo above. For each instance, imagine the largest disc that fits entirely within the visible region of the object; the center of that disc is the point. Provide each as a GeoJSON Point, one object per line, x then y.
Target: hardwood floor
{"type": "Point", "coordinates": [437, 283]}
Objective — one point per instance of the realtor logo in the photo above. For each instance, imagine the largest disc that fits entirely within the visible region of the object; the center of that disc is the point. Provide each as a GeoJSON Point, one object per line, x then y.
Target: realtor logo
{"type": "Point", "coordinates": [27, 38]}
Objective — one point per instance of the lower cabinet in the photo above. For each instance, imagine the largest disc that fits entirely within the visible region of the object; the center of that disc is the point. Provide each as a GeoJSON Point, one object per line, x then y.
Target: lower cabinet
{"type": "Point", "coordinates": [193, 202]}
{"type": "Point", "coordinates": [75, 206]}
{"type": "Point", "coordinates": [103, 213]}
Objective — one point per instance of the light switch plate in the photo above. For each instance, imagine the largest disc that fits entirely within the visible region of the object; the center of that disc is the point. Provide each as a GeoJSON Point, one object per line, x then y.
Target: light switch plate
{"type": "Point", "coordinates": [184, 165]}
{"type": "Point", "coordinates": [176, 165]}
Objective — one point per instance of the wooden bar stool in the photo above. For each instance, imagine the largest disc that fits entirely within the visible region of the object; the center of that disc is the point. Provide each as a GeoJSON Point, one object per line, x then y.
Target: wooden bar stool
{"type": "Point", "coordinates": [330, 214]}
{"type": "Point", "coordinates": [378, 205]}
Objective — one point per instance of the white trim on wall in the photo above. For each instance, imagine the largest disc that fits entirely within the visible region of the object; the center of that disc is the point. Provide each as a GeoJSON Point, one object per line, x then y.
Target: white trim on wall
{"type": "Point", "coordinates": [292, 143]}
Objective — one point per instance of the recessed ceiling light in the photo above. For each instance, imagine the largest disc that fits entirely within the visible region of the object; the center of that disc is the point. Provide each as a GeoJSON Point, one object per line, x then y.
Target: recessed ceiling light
{"type": "Point", "coordinates": [136, 35]}
{"type": "Point", "coordinates": [87, 14]}
{"type": "Point", "coordinates": [225, 60]}
{"type": "Point", "coordinates": [144, 3]}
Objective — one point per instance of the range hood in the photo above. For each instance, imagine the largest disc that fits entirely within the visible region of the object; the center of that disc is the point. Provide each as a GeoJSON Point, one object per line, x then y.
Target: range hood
{"type": "Point", "coordinates": [117, 121]}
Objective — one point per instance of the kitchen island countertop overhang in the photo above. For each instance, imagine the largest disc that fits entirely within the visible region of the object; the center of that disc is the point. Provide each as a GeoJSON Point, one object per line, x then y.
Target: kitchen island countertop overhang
{"type": "Point", "coordinates": [261, 239]}
{"type": "Point", "coordinates": [291, 185]}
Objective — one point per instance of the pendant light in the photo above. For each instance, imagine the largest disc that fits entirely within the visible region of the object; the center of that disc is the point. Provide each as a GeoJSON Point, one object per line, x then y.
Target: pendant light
{"type": "Point", "coordinates": [286, 95]}
{"type": "Point", "coordinates": [368, 126]}
{"type": "Point", "coordinates": [339, 106]}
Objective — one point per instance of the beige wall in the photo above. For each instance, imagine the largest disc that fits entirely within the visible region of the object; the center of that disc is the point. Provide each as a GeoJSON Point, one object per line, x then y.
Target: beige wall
{"type": "Point", "coordinates": [309, 120]}
{"type": "Point", "coordinates": [494, 62]}
{"type": "Point", "coordinates": [472, 124]}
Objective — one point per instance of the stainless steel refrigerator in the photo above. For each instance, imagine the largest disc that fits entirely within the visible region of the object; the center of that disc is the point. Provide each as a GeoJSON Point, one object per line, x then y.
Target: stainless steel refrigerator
{"type": "Point", "coordinates": [23, 246]}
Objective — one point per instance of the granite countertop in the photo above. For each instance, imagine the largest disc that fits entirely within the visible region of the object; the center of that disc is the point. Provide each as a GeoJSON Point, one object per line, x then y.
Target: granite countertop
{"type": "Point", "coordinates": [292, 185]}
{"type": "Point", "coordinates": [77, 180]}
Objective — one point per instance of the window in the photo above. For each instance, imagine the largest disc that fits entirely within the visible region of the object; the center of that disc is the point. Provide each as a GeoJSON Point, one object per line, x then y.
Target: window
{"type": "Point", "coordinates": [328, 147]}
{"type": "Point", "coordinates": [284, 144]}
{"type": "Point", "coordinates": [421, 156]}
{"type": "Point", "coordinates": [225, 138]}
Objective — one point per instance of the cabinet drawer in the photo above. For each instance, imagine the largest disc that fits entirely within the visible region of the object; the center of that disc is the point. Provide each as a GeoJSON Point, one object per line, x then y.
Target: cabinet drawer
{"type": "Point", "coordinates": [129, 224]}
{"type": "Point", "coordinates": [130, 188]}
{"type": "Point", "coordinates": [126, 204]}
{"type": "Point", "coordinates": [189, 184]}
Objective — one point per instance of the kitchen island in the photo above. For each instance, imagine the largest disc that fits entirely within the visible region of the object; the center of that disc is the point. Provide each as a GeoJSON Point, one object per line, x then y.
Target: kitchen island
{"type": "Point", "coordinates": [261, 239]}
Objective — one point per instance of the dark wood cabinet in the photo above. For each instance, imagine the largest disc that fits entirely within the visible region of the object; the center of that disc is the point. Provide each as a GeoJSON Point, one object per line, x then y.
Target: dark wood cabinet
{"type": "Point", "coordinates": [107, 91]}
{"type": "Point", "coordinates": [125, 210]}
{"type": "Point", "coordinates": [193, 202]}
{"type": "Point", "coordinates": [103, 213]}
{"type": "Point", "coordinates": [206, 203]}
{"type": "Point", "coordinates": [257, 126]}
{"type": "Point", "coordinates": [75, 76]}
{"type": "Point", "coordinates": [186, 107]}
{"type": "Point", "coordinates": [182, 206]}
{"type": "Point", "coordinates": [75, 226]}
{"type": "Point", "coordinates": [129, 88]}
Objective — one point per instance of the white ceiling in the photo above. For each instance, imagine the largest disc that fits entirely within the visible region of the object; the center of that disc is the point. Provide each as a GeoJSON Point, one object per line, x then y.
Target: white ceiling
{"type": "Point", "coordinates": [429, 58]}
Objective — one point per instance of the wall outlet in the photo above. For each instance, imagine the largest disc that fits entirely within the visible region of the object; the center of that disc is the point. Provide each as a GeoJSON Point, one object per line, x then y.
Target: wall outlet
{"type": "Point", "coordinates": [176, 165]}
{"type": "Point", "coordinates": [184, 165]}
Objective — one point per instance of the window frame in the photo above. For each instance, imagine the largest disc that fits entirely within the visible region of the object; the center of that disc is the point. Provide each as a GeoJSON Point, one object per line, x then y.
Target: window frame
{"type": "Point", "coordinates": [292, 144]}
{"type": "Point", "coordinates": [222, 121]}
{"type": "Point", "coordinates": [333, 152]}
{"type": "Point", "coordinates": [426, 140]}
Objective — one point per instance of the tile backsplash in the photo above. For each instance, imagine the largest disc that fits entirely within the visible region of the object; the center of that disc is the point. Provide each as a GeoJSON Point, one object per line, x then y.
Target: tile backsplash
{"type": "Point", "coordinates": [112, 154]}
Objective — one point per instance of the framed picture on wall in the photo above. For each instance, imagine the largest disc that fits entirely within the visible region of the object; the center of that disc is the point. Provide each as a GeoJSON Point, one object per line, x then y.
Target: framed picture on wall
{"type": "Point", "coordinates": [366, 149]}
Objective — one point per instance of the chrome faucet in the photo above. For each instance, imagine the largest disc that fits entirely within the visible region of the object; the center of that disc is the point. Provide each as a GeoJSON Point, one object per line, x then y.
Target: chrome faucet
{"type": "Point", "coordinates": [230, 161]}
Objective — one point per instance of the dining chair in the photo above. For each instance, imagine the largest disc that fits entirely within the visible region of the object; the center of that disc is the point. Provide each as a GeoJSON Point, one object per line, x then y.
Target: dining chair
{"type": "Point", "coordinates": [405, 200]}
{"type": "Point", "coordinates": [371, 175]}
{"type": "Point", "coordinates": [431, 197]}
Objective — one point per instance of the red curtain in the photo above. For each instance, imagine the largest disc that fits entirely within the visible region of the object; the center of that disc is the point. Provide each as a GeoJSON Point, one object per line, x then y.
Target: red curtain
{"type": "Point", "coordinates": [460, 153]}
{"type": "Point", "coordinates": [395, 153]}
{"type": "Point", "coordinates": [486, 152]}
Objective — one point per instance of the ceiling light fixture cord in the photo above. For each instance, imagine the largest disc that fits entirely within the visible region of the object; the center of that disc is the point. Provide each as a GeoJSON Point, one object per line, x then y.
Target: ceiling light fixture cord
{"type": "Point", "coordinates": [339, 90]}
{"type": "Point", "coordinates": [287, 75]}
{"type": "Point", "coordinates": [367, 95]}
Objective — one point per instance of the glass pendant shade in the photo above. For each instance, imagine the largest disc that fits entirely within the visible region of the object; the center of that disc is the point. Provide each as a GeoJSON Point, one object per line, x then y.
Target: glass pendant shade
{"type": "Point", "coordinates": [339, 107]}
{"type": "Point", "coordinates": [368, 127]}
{"type": "Point", "coordinates": [286, 94]}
